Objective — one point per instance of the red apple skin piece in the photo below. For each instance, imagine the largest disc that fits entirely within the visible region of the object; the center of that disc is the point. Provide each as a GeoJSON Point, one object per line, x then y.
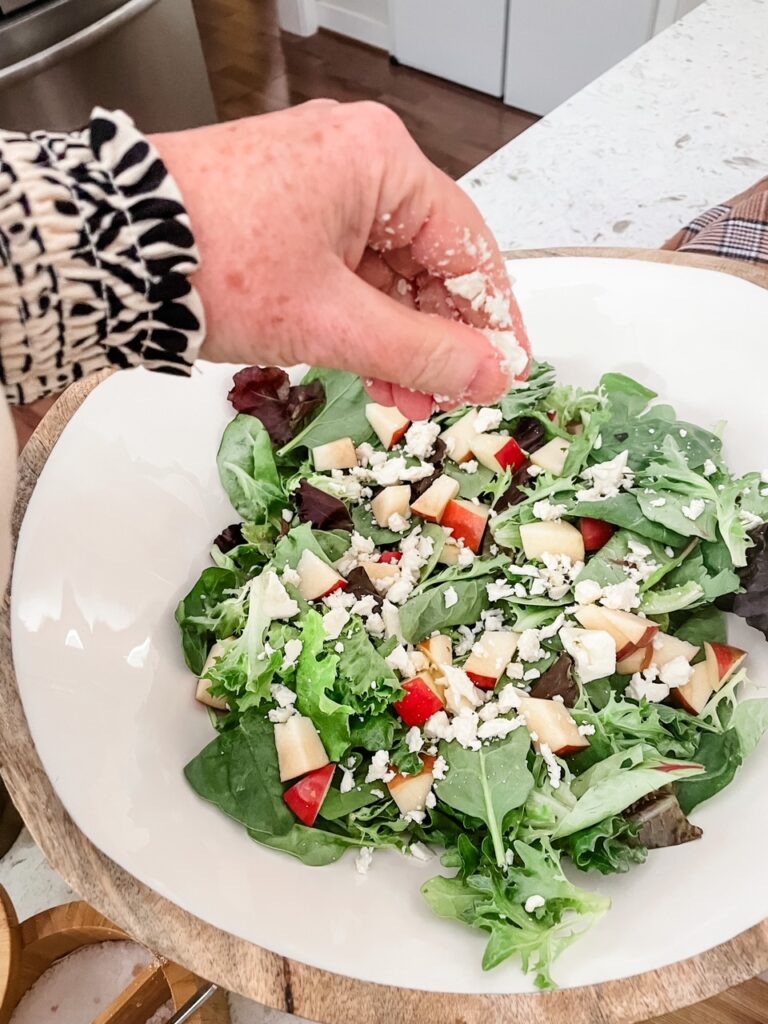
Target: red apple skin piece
{"type": "Point", "coordinates": [419, 704]}
{"type": "Point", "coordinates": [389, 557]}
{"type": "Point", "coordinates": [595, 532]}
{"type": "Point", "coordinates": [305, 797]}
{"type": "Point", "coordinates": [467, 520]}
{"type": "Point", "coordinates": [338, 585]}
{"type": "Point", "coordinates": [635, 662]}
{"type": "Point", "coordinates": [511, 455]}
{"type": "Point", "coordinates": [728, 659]}
{"type": "Point", "coordinates": [483, 682]}
{"type": "Point", "coordinates": [553, 724]}
{"type": "Point", "coordinates": [638, 631]}
{"type": "Point", "coordinates": [694, 695]}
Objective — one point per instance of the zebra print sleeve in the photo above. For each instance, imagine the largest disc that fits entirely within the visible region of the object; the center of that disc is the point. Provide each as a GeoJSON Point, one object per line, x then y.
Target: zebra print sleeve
{"type": "Point", "coordinates": [96, 251]}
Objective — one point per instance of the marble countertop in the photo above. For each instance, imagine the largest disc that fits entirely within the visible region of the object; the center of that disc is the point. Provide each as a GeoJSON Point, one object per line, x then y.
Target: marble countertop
{"type": "Point", "coordinates": [678, 126]}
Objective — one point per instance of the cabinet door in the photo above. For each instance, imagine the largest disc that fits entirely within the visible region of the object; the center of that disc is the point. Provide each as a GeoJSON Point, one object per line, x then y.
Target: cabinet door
{"type": "Point", "coordinates": [461, 40]}
{"type": "Point", "coordinates": [556, 47]}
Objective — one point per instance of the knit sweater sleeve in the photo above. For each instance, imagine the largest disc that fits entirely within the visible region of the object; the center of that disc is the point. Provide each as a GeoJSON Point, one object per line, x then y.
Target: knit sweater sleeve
{"type": "Point", "coordinates": [96, 252]}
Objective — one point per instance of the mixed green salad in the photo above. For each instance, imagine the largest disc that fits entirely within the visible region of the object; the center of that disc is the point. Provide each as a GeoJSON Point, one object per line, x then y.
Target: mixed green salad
{"type": "Point", "coordinates": [496, 637]}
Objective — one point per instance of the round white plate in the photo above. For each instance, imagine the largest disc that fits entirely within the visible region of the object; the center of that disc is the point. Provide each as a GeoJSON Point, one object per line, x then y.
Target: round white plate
{"type": "Point", "coordinates": [117, 531]}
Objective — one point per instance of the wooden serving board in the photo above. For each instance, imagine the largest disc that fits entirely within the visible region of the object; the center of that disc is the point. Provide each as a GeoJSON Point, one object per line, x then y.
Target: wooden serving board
{"type": "Point", "coordinates": [295, 987]}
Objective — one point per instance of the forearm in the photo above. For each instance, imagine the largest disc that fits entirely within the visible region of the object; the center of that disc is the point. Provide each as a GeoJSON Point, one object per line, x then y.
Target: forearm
{"type": "Point", "coordinates": [95, 257]}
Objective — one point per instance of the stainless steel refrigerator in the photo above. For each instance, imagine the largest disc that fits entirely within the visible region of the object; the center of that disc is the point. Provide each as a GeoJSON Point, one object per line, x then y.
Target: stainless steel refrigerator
{"type": "Point", "coordinates": [60, 58]}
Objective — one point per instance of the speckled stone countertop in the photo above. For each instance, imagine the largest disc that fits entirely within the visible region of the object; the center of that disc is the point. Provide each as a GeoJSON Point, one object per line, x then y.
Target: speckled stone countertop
{"type": "Point", "coordinates": [678, 126]}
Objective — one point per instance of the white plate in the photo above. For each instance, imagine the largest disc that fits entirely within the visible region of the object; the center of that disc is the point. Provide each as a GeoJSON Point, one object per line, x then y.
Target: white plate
{"type": "Point", "coordinates": [117, 531]}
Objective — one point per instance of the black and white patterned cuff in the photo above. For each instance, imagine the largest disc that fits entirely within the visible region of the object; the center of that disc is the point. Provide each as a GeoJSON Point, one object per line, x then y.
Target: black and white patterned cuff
{"type": "Point", "coordinates": [96, 250]}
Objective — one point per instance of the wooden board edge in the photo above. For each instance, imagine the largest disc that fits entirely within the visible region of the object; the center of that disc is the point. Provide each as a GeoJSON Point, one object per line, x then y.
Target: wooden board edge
{"type": "Point", "coordinates": [277, 982]}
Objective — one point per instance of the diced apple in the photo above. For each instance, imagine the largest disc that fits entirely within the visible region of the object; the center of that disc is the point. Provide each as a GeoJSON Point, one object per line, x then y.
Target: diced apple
{"type": "Point", "coordinates": [595, 532]}
{"type": "Point", "coordinates": [380, 570]}
{"type": "Point", "coordinates": [299, 747]}
{"type": "Point", "coordinates": [552, 538]}
{"type": "Point", "coordinates": [202, 693]}
{"type": "Point", "coordinates": [727, 659]}
{"type": "Point", "coordinates": [637, 661]}
{"type": "Point", "coordinates": [431, 504]}
{"type": "Point", "coordinates": [450, 553]}
{"type": "Point", "coordinates": [410, 791]}
{"type": "Point", "coordinates": [439, 649]}
{"type": "Point", "coordinates": [490, 656]}
{"type": "Point", "coordinates": [638, 631]}
{"type": "Point", "coordinates": [552, 724]}
{"type": "Point", "coordinates": [392, 501]}
{"type": "Point", "coordinates": [305, 797]}
{"type": "Point", "coordinates": [338, 454]}
{"type": "Point", "coordinates": [592, 617]}
{"type": "Point", "coordinates": [317, 578]}
{"type": "Point", "coordinates": [460, 437]}
{"type": "Point", "coordinates": [391, 557]}
{"type": "Point", "coordinates": [551, 456]}
{"type": "Point", "coordinates": [498, 451]}
{"type": "Point", "coordinates": [388, 423]}
{"type": "Point", "coordinates": [666, 648]}
{"type": "Point", "coordinates": [693, 696]}
{"type": "Point", "coordinates": [467, 522]}
{"type": "Point", "coordinates": [419, 703]}
{"type": "Point", "coordinates": [435, 681]}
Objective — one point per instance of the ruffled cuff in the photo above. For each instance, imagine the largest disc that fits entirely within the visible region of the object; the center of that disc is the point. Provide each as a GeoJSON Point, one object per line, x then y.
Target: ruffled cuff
{"type": "Point", "coordinates": [96, 250]}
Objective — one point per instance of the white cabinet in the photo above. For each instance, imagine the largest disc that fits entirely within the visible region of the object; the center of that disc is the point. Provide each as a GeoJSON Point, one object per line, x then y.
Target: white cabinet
{"type": "Point", "coordinates": [461, 40]}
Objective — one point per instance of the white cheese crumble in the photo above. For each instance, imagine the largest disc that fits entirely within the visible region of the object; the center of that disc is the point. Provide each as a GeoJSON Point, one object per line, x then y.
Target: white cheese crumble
{"type": "Point", "coordinates": [361, 550]}
{"type": "Point", "coordinates": [622, 596]}
{"type": "Point", "coordinates": [460, 692]}
{"type": "Point", "coordinates": [548, 512]}
{"type": "Point", "coordinates": [658, 503]}
{"type": "Point", "coordinates": [378, 769]}
{"type": "Point", "coordinates": [586, 729]}
{"type": "Point", "coordinates": [347, 783]}
{"type": "Point", "coordinates": [694, 509]}
{"type": "Point", "coordinates": [291, 652]}
{"type": "Point", "coordinates": [486, 419]}
{"type": "Point", "coordinates": [587, 592]}
{"type": "Point", "coordinates": [509, 698]}
{"type": "Point", "coordinates": [290, 576]}
{"type": "Point", "coordinates": [498, 728]}
{"type": "Point", "coordinates": [397, 523]}
{"type": "Point", "coordinates": [554, 770]}
{"type": "Point", "coordinates": [533, 470]}
{"type": "Point", "coordinates": [499, 590]}
{"type": "Point", "coordinates": [401, 661]}
{"type": "Point", "coordinates": [420, 438]}
{"type": "Point", "coordinates": [528, 646]}
{"type": "Point", "coordinates": [276, 598]}
{"type": "Point", "coordinates": [607, 479]}
{"type": "Point", "coordinates": [709, 468]}
{"type": "Point", "coordinates": [450, 597]}
{"type": "Point", "coordinates": [419, 852]}
{"type": "Point", "coordinates": [282, 695]}
{"type": "Point", "coordinates": [676, 672]}
{"type": "Point", "coordinates": [470, 466]}
{"type": "Point", "coordinates": [334, 621]}
{"type": "Point", "coordinates": [363, 860]}
{"type": "Point", "coordinates": [280, 715]}
{"type": "Point", "coordinates": [533, 903]}
{"type": "Point", "coordinates": [645, 685]}
{"type": "Point", "coordinates": [593, 652]}
{"type": "Point", "coordinates": [439, 768]}
{"type": "Point", "coordinates": [414, 740]}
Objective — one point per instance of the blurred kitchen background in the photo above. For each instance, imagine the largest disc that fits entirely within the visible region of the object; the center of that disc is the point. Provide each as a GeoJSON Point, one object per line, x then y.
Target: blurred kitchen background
{"type": "Point", "coordinates": [465, 75]}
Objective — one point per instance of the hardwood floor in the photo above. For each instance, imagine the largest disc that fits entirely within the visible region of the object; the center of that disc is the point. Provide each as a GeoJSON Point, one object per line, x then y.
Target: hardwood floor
{"type": "Point", "coordinates": [255, 68]}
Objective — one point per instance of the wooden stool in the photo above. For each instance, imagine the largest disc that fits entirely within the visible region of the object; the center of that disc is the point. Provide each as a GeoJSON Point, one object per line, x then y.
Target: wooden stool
{"type": "Point", "coordinates": [29, 949]}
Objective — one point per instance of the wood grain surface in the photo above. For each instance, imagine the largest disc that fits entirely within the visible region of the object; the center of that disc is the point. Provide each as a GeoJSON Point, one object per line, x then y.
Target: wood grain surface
{"type": "Point", "coordinates": [287, 984]}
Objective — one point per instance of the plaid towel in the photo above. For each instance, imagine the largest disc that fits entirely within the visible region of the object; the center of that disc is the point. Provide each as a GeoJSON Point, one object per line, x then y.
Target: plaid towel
{"type": "Point", "coordinates": [737, 229]}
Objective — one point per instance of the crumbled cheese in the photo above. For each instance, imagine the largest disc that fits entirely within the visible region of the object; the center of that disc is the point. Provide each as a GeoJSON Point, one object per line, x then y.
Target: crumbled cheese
{"type": "Point", "coordinates": [438, 727]}
{"type": "Point", "coordinates": [586, 729]}
{"type": "Point", "coordinates": [414, 740]}
{"type": "Point", "coordinates": [487, 419]}
{"type": "Point", "coordinates": [587, 592]}
{"type": "Point", "coordinates": [417, 817]}
{"type": "Point", "coordinates": [489, 711]}
{"type": "Point", "coordinates": [470, 466]}
{"type": "Point", "coordinates": [339, 647]}
{"type": "Point", "coordinates": [499, 590]}
{"type": "Point", "coordinates": [283, 695]}
{"type": "Point", "coordinates": [334, 621]}
{"type": "Point", "coordinates": [557, 576]}
{"type": "Point", "coordinates": [533, 903]}
{"type": "Point", "coordinates": [676, 672]}
{"type": "Point", "coordinates": [401, 661]}
{"type": "Point", "coordinates": [361, 550]}
{"type": "Point", "coordinates": [420, 438]}
{"type": "Point", "coordinates": [498, 728]}
{"type": "Point", "coordinates": [276, 598]}
{"type": "Point", "coordinates": [607, 479]}
{"type": "Point", "coordinates": [439, 768]}
{"type": "Point", "coordinates": [391, 620]}
{"type": "Point", "coordinates": [531, 674]}
{"type": "Point", "coordinates": [669, 552]}
{"type": "Point", "coordinates": [509, 698]}
{"type": "Point", "coordinates": [279, 715]}
{"type": "Point", "coordinates": [598, 443]}
{"type": "Point", "coordinates": [397, 523]}
{"type": "Point", "coordinates": [363, 860]}
{"type": "Point", "coordinates": [509, 857]}
{"type": "Point", "coordinates": [683, 433]}
{"type": "Point", "coordinates": [291, 577]}
{"type": "Point", "coordinates": [378, 793]}
{"type": "Point", "coordinates": [554, 769]}
{"type": "Point", "coordinates": [548, 512]}
{"type": "Point", "coordinates": [709, 468]}
{"type": "Point", "coordinates": [466, 556]}
{"type": "Point", "coordinates": [291, 653]}
{"type": "Point", "coordinates": [515, 670]}
{"type": "Point", "coordinates": [533, 470]}
{"type": "Point", "coordinates": [287, 515]}
{"type": "Point", "coordinates": [528, 646]}
{"type": "Point", "coordinates": [430, 800]}
{"type": "Point", "coordinates": [450, 597]}
{"type": "Point", "coordinates": [347, 783]}
{"type": "Point", "coordinates": [464, 726]}
{"type": "Point", "coordinates": [379, 770]}
{"type": "Point", "coordinates": [658, 503]}
{"type": "Point", "coordinates": [645, 685]}
{"type": "Point", "coordinates": [593, 652]}
{"type": "Point", "coordinates": [419, 852]}
{"type": "Point", "coordinates": [622, 596]}
{"type": "Point", "coordinates": [694, 509]}
{"type": "Point", "coordinates": [558, 698]}
{"type": "Point", "coordinates": [492, 619]}
{"type": "Point", "coordinates": [460, 692]}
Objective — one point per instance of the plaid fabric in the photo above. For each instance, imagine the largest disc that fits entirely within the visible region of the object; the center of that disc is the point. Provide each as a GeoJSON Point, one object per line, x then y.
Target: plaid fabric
{"type": "Point", "coordinates": [737, 229]}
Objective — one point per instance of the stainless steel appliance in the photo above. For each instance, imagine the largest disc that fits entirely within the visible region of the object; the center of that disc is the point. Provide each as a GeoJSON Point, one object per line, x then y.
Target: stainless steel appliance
{"type": "Point", "coordinates": [60, 58]}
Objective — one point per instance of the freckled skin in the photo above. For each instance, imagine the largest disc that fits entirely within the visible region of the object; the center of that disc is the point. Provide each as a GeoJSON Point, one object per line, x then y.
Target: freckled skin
{"type": "Point", "coordinates": [325, 236]}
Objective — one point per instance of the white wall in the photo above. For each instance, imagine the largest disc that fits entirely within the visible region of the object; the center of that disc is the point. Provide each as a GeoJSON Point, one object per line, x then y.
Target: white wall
{"type": "Point", "coordinates": [365, 20]}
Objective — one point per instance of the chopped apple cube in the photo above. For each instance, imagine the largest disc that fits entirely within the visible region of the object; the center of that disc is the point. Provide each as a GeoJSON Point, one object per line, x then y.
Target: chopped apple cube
{"type": "Point", "coordinates": [552, 538]}
{"type": "Point", "coordinates": [637, 661]}
{"type": "Point", "coordinates": [317, 578]}
{"type": "Point", "coordinates": [467, 522]}
{"type": "Point", "coordinates": [726, 659]}
{"type": "Point", "coordinates": [299, 747]}
{"type": "Point", "coordinates": [388, 423]}
{"type": "Point", "coordinates": [666, 648]}
{"type": "Point", "coordinates": [410, 791]}
{"type": "Point", "coordinates": [202, 693]}
{"type": "Point", "coordinates": [552, 724]}
{"type": "Point", "coordinates": [381, 570]}
{"type": "Point", "coordinates": [460, 437]}
{"type": "Point", "coordinates": [592, 617]}
{"type": "Point", "coordinates": [431, 504]}
{"type": "Point", "coordinates": [490, 656]}
{"type": "Point", "coordinates": [638, 631]}
{"type": "Point", "coordinates": [392, 501]}
{"type": "Point", "coordinates": [439, 649]}
{"type": "Point", "coordinates": [551, 456]}
{"type": "Point", "coordinates": [420, 702]}
{"type": "Point", "coordinates": [498, 451]}
{"type": "Point", "coordinates": [335, 455]}
{"type": "Point", "coordinates": [305, 797]}
{"type": "Point", "coordinates": [450, 553]}
{"type": "Point", "coordinates": [693, 696]}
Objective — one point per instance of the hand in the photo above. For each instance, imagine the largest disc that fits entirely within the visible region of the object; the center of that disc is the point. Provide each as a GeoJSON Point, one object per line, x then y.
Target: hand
{"type": "Point", "coordinates": [326, 237]}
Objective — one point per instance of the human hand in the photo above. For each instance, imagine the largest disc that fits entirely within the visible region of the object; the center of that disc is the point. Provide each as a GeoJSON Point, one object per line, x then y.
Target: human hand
{"type": "Point", "coordinates": [327, 237]}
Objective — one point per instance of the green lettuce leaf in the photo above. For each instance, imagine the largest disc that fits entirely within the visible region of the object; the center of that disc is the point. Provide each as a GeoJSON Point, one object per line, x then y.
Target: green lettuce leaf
{"type": "Point", "coordinates": [315, 679]}
{"type": "Point", "coordinates": [248, 472]}
{"type": "Point", "coordinates": [342, 414]}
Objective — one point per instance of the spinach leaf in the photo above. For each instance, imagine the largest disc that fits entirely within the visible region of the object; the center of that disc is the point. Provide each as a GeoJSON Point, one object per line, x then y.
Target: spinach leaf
{"type": "Point", "coordinates": [671, 514]}
{"type": "Point", "coordinates": [721, 755]}
{"type": "Point", "coordinates": [471, 485]}
{"type": "Point", "coordinates": [315, 678]}
{"type": "Point", "coordinates": [488, 783]}
{"type": "Point", "coordinates": [207, 614]}
{"type": "Point", "coordinates": [248, 472]}
{"type": "Point", "coordinates": [703, 624]}
{"type": "Point", "coordinates": [329, 545]}
{"type": "Point", "coordinates": [338, 805]}
{"type": "Point", "coordinates": [437, 535]}
{"type": "Point", "coordinates": [624, 511]}
{"type": "Point", "coordinates": [671, 599]}
{"type": "Point", "coordinates": [312, 846]}
{"type": "Point", "coordinates": [366, 525]}
{"type": "Point", "coordinates": [342, 415]}
{"type": "Point", "coordinates": [426, 613]}
{"type": "Point", "coordinates": [374, 733]}
{"type": "Point", "coordinates": [239, 773]}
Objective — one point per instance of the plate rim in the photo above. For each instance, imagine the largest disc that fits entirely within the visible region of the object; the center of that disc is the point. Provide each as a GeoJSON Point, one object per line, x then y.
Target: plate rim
{"type": "Point", "coordinates": [278, 982]}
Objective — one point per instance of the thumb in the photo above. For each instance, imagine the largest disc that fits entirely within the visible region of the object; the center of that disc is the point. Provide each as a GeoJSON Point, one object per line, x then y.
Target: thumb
{"type": "Point", "coordinates": [377, 337]}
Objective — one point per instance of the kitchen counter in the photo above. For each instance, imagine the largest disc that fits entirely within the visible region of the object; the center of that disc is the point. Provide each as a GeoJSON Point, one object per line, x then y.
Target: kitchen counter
{"type": "Point", "coordinates": [678, 126]}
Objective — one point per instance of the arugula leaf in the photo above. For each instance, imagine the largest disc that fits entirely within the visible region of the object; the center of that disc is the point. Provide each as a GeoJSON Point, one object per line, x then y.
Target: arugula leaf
{"type": "Point", "coordinates": [239, 773]}
{"type": "Point", "coordinates": [488, 783]}
{"type": "Point", "coordinates": [248, 472]}
{"type": "Point", "coordinates": [609, 847]}
{"type": "Point", "coordinates": [342, 415]}
{"type": "Point", "coordinates": [208, 613]}
{"type": "Point", "coordinates": [522, 398]}
{"type": "Point", "coordinates": [315, 678]}
{"type": "Point", "coordinates": [426, 613]}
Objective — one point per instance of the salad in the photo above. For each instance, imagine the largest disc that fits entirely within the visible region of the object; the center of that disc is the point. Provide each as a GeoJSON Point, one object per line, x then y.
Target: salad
{"type": "Point", "coordinates": [495, 638]}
